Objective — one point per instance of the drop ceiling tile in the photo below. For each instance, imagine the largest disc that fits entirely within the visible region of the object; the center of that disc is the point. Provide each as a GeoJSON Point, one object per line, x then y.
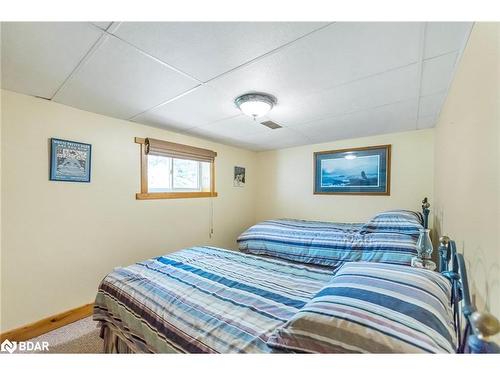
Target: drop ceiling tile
{"type": "Point", "coordinates": [261, 141]}
{"type": "Point", "coordinates": [426, 122]}
{"type": "Point", "coordinates": [38, 56]}
{"type": "Point", "coordinates": [236, 143]}
{"type": "Point", "coordinates": [444, 37]}
{"type": "Point", "coordinates": [277, 138]}
{"type": "Point", "coordinates": [393, 86]}
{"type": "Point", "coordinates": [437, 73]}
{"type": "Point", "coordinates": [207, 49]}
{"type": "Point", "coordinates": [431, 105]}
{"type": "Point", "coordinates": [103, 25]}
{"type": "Point", "coordinates": [386, 119]}
{"type": "Point", "coordinates": [200, 107]}
{"type": "Point", "coordinates": [345, 80]}
{"type": "Point", "coordinates": [119, 81]}
{"type": "Point", "coordinates": [335, 55]}
{"type": "Point", "coordinates": [232, 128]}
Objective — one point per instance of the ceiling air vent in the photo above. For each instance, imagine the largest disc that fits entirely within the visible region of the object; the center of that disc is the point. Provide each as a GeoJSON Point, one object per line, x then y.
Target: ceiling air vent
{"type": "Point", "coordinates": [271, 125]}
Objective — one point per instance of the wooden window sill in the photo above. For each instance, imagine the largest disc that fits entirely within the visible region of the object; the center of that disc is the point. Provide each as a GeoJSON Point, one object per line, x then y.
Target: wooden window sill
{"type": "Point", "coordinates": [175, 195]}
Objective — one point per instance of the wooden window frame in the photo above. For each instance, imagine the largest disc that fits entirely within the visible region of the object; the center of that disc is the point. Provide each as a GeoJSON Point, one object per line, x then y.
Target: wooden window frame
{"type": "Point", "coordinates": [145, 194]}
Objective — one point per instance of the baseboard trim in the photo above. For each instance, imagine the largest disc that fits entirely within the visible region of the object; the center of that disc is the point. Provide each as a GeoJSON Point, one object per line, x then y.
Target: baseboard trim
{"type": "Point", "coordinates": [28, 331]}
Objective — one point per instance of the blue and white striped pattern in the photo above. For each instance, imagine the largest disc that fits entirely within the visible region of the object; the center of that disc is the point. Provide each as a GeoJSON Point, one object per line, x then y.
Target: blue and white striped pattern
{"type": "Point", "coordinates": [327, 244]}
{"type": "Point", "coordinates": [374, 308]}
{"type": "Point", "coordinates": [396, 221]}
{"type": "Point", "coordinates": [205, 299]}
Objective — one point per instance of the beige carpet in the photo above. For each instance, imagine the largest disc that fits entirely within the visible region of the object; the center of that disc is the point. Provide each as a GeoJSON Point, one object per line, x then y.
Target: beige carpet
{"type": "Point", "coordinates": [81, 336]}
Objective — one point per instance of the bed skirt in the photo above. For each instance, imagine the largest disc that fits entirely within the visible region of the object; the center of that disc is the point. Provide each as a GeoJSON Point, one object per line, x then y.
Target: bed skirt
{"type": "Point", "coordinates": [114, 341]}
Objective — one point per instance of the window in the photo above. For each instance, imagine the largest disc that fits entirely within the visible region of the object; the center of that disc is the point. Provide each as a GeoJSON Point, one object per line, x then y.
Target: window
{"type": "Point", "coordinates": [171, 170]}
{"type": "Point", "coordinates": [170, 174]}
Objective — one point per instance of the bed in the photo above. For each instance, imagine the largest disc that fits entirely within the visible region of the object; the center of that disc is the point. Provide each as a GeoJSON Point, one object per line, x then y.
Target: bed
{"type": "Point", "coordinates": [203, 300]}
{"type": "Point", "coordinates": [212, 300]}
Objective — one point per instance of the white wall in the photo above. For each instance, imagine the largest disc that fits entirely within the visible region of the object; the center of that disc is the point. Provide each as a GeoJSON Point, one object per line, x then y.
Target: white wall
{"type": "Point", "coordinates": [59, 239]}
{"type": "Point", "coordinates": [467, 174]}
{"type": "Point", "coordinates": [286, 180]}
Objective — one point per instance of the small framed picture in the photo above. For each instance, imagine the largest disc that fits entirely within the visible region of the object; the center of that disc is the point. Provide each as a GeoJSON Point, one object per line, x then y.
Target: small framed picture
{"type": "Point", "coordinates": [69, 161]}
{"type": "Point", "coordinates": [362, 171]}
{"type": "Point", "coordinates": [239, 177]}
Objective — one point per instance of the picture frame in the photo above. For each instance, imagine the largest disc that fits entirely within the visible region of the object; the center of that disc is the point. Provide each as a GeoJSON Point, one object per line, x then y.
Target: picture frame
{"type": "Point", "coordinates": [239, 176]}
{"type": "Point", "coordinates": [353, 171]}
{"type": "Point", "coordinates": [70, 161]}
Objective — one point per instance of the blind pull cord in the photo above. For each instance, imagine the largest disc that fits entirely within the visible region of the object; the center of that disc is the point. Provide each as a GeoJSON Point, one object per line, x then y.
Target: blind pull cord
{"type": "Point", "coordinates": [211, 218]}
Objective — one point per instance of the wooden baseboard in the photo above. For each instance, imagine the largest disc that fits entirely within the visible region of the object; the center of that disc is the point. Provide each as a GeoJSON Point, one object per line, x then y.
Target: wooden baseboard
{"type": "Point", "coordinates": [35, 329]}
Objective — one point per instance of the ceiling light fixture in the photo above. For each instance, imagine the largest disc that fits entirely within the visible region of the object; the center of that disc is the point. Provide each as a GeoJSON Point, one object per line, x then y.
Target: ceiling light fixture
{"type": "Point", "coordinates": [255, 104]}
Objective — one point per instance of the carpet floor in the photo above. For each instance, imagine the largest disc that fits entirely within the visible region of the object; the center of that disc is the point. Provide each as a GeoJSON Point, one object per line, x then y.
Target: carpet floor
{"type": "Point", "coordinates": [81, 336]}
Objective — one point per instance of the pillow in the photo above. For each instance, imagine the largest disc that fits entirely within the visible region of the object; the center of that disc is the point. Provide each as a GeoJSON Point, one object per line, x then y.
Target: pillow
{"type": "Point", "coordinates": [326, 244]}
{"type": "Point", "coordinates": [373, 308]}
{"type": "Point", "coordinates": [395, 221]}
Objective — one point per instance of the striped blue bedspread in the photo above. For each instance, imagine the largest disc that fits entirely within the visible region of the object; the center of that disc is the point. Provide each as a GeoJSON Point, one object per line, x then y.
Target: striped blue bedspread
{"type": "Point", "coordinates": [327, 244]}
{"type": "Point", "coordinates": [374, 308]}
{"type": "Point", "coordinates": [205, 300]}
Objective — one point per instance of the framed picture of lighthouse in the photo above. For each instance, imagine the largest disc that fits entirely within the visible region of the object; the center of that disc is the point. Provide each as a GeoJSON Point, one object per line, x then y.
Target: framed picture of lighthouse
{"type": "Point", "coordinates": [69, 161]}
{"type": "Point", "coordinates": [361, 171]}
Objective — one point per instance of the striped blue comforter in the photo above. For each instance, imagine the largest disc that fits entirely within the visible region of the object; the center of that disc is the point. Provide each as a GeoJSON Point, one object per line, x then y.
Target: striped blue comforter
{"type": "Point", "coordinates": [328, 244]}
{"type": "Point", "coordinates": [205, 300]}
{"type": "Point", "coordinates": [374, 308]}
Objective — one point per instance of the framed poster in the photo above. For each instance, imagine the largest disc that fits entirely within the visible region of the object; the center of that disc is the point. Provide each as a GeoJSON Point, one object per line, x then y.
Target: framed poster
{"type": "Point", "coordinates": [239, 177]}
{"type": "Point", "coordinates": [69, 161]}
{"type": "Point", "coordinates": [362, 171]}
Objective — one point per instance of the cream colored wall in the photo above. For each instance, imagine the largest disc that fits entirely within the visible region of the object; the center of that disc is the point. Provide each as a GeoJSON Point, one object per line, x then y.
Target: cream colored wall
{"type": "Point", "coordinates": [1, 230]}
{"type": "Point", "coordinates": [59, 239]}
{"type": "Point", "coordinates": [286, 180]}
{"type": "Point", "coordinates": [467, 189]}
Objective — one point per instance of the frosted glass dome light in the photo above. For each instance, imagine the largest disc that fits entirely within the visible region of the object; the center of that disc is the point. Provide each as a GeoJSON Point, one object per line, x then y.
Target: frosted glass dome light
{"type": "Point", "coordinates": [255, 108]}
{"type": "Point", "coordinates": [255, 104]}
